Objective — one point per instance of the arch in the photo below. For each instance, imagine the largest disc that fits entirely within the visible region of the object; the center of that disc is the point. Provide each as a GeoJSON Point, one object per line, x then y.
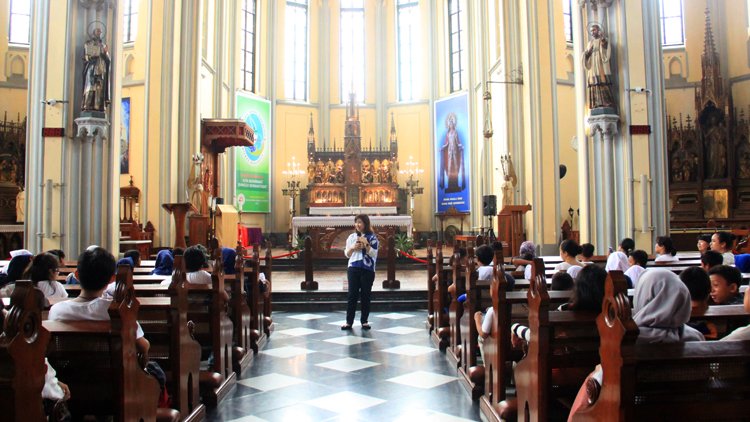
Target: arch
{"type": "Point", "coordinates": [17, 66]}
{"type": "Point", "coordinates": [675, 66]}
{"type": "Point", "coordinates": [129, 64]}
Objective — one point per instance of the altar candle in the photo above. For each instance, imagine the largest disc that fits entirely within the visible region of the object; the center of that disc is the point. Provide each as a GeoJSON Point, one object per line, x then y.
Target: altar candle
{"type": "Point", "coordinates": [291, 203]}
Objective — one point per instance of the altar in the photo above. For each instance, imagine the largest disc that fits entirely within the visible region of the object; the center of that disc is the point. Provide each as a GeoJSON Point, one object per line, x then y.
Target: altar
{"type": "Point", "coordinates": [329, 233]}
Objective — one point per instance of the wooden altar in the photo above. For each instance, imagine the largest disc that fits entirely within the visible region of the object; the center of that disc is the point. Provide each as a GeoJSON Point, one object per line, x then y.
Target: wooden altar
{"type": "Point", "coordinates": [329, 233]}
{"type": "Point", "coordinates": [709, 153]}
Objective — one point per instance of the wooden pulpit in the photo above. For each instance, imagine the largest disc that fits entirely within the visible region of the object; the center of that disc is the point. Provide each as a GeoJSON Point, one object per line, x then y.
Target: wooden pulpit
{"type": "Point", "coordinates": [179, 211]}
{"type": "Point", "coordinates": [510, 227]}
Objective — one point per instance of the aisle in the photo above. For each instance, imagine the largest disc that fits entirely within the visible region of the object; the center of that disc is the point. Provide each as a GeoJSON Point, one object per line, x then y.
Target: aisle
{"type": "Point", "coordinates": [310, 370]}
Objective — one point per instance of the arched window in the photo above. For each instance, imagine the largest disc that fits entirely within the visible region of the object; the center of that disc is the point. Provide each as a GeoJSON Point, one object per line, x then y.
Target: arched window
{"type": "Point", "coordinates": [352, 49]}
{"type": "Point", "coordinates": [407, 36]}
{"type": "Point", "coordinates": [456, 44]}
{"type": "Point", "coordinates": [130, 20]}
{"type": "Point", "coordinates": [19, 22]}
{"type": "Point", "coordinates": [568, 20]}
{"type": "Point", "coordinates": [295, 75]}
{"type": "Point", "coordinates": [672, 26]}
{"type": "Point", "coordinates": [247, 62]}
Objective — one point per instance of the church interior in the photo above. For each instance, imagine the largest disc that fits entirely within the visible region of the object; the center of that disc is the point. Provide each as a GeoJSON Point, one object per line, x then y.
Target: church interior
{"type": "Point", "coordinates": [492, 151]}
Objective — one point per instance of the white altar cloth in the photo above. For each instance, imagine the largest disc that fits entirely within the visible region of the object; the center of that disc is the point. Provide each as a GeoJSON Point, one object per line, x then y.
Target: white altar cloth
{"type": "Point", "coordinates": [348, 221]}
{"type": "Point", "coordinates": [371, 211]}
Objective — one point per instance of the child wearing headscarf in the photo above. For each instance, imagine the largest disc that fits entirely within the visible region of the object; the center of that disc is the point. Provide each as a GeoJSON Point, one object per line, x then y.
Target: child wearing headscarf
{"type": "Point", "coordinates": [661, 310]}
{"type": "Point", "coordinates": [164, 263]}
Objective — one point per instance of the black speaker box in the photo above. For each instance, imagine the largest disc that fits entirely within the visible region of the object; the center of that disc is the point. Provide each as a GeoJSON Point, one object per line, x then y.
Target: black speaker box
{"type": "Point", "coordinates": [489, 205]}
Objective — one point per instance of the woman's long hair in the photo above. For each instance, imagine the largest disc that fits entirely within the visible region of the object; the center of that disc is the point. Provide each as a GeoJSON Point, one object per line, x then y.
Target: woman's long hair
{"type": "Point", "coordinates": [366, 220]}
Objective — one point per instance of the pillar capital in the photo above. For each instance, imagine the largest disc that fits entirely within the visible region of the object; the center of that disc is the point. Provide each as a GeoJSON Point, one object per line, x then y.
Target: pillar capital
{"type": "Point", "coordinates": [595, 4]}
{"type": "Point", "coordinates": [606, 124]}
{"type": "Point", "coordinates": [92, 127]}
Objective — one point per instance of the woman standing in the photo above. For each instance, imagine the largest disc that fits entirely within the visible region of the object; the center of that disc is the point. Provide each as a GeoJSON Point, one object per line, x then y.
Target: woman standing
{"type": "Point", "coordinates": [362, 251]}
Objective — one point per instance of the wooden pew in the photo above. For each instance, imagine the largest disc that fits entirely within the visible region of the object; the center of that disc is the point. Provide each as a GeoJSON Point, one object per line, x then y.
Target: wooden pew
{"type": "Point", "coordinates": [565, 342]}
{"type": "Point", "coordinates": [497, 351]}
{"type": "Point", "coordinates": [214, 331]}
{"type": "Point", "coordinates": [470, 375]}
{"type": "Point", "coordinates": [165, 324]}
{"type": "Point", "coordinates": [430, 288]}
{"type": "Point", "coordinates": [243, 351]}
{"type": "Point", "coordinates": [255, 301]}
{"type": "Point", "coordinates": [455, 309]}
{"type": "Point", "coordinates": [439, 299]}
{"type": "Point", "coordinates": [97, 359]}
{"type": "Point", "coordinates": [267, 269]}
{"type": "Point", "coordinates": [682, 381]}
{"type": "Point", "coordinates": [23, 344]}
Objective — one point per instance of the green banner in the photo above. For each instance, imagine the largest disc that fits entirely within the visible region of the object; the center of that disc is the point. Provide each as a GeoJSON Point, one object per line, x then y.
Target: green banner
{"type": "Point", "coordinates": [252, 178]}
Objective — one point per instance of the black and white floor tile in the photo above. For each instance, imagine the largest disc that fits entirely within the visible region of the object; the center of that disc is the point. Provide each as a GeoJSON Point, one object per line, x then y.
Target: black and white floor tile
{"type": "Point", "coordinates": [310, 370]}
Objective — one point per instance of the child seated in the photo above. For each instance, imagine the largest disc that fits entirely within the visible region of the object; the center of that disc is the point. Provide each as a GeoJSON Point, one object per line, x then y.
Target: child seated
{"type": "Point", "coordinates": [699, 285]}
{"type": "Point", "coordinates": [134, 255]}
{"type": "Point", "coordinates": [43, 273]}
{"type": "Point", "coordinates": [569, 249]}
{"type": "Point", "coordinates": [587, 252]}
{"type": "Point", "coordinates": [665, 250]}
{"type": "Point", "coordinates": [526, 255]}
{"type": "Point", "coordinates": [562, 281]}
{"type": "Point", "coordinates": [725, 285]}
{"type": "Point", "coordinates": [484, 322]}
{"type": "Point", "coordinates": [711, 259]}
{"type": "Point", "coordinates": [484, 256]}
{"type": "Point", "coordinates": [638, 260]}
{"type": "Point", "coordinates": [721, 242]}
{"type": "Point", "coordinates": [96, 269]}
{"type": "Point", "coordinates": [704, 243]}
{"type": "Point", "coordinates": [742, 333]}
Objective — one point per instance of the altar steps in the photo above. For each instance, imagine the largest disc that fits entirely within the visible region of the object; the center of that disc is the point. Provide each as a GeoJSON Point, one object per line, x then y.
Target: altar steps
{"type": "Point", "coordinates": [326, 301]}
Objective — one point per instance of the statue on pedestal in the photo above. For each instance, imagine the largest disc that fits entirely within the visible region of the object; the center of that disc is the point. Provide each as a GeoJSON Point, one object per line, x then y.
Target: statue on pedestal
{"type": "Point", "coordinates": [509, 180]}
{"type": "Point", "coordinates": [596, 60]}
{"type": "Point", "coordinates": [195, 185]}
{"type": "Point", "coordinates": [95, 70]}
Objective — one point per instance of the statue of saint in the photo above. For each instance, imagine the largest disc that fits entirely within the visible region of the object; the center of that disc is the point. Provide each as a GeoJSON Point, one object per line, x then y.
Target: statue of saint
{"type": "Point", "coordinates": [21, 206]}
{"type": "Point", "coordinates": [366, 172]}
{"type": "Point", "coordinates": [452, 153]}
{"type": "Point", "coordinates": [509, 180]}
{"type": "Point", "coordinates": [385, 172]}
{"type": "Point", "coordinates": [715, 141]}
{"type": "Point", "coordinates": [310, 172]}
{"type": "Point", "coordinates": [340, 171]}
{"type": "Point", "coordinates": [195, 183]}
{"type": "Point", "coordinates": [95, 72]}
{"type": "Point", "coordinates": [598, 73]}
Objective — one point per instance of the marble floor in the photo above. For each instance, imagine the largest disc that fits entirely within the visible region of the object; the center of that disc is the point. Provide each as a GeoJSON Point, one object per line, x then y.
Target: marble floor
{"type": "Point", "coordinates": [310, 370]}
{"type": "Point", "coordinates": [288, 281]}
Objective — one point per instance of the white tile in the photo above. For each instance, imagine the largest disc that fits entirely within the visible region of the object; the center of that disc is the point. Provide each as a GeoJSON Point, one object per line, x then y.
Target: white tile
{"type": "Point", "coordinates": [287, 352]}
{"type": "Point", "coordinates": [422, 379]}
{"type": "Point", "coordinates": [271, 382]}
{"type": "Point", "coordinates": [248, 419]}
{"type": "Point", "coordinates": [401, 330]}
{"type": "Point", "coordinates": [349, 340]}
{"type": "Point", "coordinates": [347, 364]}
{"type": "Point", "coordinates": [394, 315]}
{"type": "Point", "coordinates": [297, 332]}
{"type": "Point", "coordinates": [410, 350]}
{"type": "Point", "coordinates": [427, 415]}
{"type": "Point", "coordinates": [345, 402]}
{"type": "Point", "coordinates": [306, 317]}
{"type": "Point", "coordinates": [339, 323]}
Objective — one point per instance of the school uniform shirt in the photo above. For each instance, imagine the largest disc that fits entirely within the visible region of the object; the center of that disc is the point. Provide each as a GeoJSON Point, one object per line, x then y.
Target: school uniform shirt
{"type": "Point", "coordinates": [728, 258]}
{"type": "Point", "coordinates": [563, 266]}
{"type": "Point", "coordinates": [742, 333]}
{"type": "Point", "coordinates": [667, 257]}
{"type": "Point", "coordinates": [635, 273]}
{"type": "Point", "coordinates": [574, 270]}
{"type": "Point", "coordinates": [51, 289]}
{"type": "Point", "coordinates": [51, 389]}
{"type": "Point", "coordinates": [198, 277]}
{"type": "Point", "coordinates": [487, 321]}
{"type": "Point", "coordinates": [360, 258]}
{"type": "Point", "coordinates": [485, 273]}
{"type": "Point", "coordinates": [91, 310]}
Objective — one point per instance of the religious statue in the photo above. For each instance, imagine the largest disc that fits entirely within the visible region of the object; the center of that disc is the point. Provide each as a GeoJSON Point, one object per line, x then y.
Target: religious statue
{"type": "Point", "coordinates": [21, 206]}
{"type": "Point", "coordinates": [376, 171]}
{"type": "Point", "coordinates": [330, 173]}
{"type": "Point", "coordinates": [95, 71]}
{"type": "Point", "coordinates": [452, 153]}
{"type": "Point", "coordinates": [715, 142]}
{"type": "Point", "coordinates": [366, 172]}
{"type": "Point", "coordinates": [319, 171]}
{"type": "Point", "coordinates": [509, 180]}
{"type": "Point", "coordinates": [385, 172]}
{"type": "Point", "coordinates": [598, 73]}
{"type": "Point", "coordinates": [310, 172]}
{"type": "Point", "coordinates": [195, 184]}
{"type": "Point", "coordinates": [340, 171]}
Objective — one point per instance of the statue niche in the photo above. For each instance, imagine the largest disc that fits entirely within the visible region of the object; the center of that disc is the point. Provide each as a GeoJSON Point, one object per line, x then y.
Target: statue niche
{"type": "Point", "coordinates": [714, 134]}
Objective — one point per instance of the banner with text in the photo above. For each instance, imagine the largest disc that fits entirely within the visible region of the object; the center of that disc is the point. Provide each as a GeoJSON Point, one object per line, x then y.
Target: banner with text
{"type": "Point", "coordinates": [452, 158]}
{"type": "Point", "coordinates": [252, 164]}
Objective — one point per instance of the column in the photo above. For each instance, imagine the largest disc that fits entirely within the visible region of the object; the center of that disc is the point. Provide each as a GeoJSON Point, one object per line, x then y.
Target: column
{"type": "Point", "coordinates": [188, 119]}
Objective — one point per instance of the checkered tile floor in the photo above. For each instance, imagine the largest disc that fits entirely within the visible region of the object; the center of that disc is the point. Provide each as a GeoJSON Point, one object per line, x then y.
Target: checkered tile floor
{"type": "Point", "coordinates": [310, 370]}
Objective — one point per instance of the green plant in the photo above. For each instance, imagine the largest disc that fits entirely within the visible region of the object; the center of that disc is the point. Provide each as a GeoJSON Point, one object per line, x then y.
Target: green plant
{"type": "Point", "coordinates": [404, 243]}
{"type": "Point", "coordinates": [299, 242]}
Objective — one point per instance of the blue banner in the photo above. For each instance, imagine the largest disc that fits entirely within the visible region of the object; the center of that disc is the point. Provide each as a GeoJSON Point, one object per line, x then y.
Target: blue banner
{"type": "Point", "coordinates": [452, 155]}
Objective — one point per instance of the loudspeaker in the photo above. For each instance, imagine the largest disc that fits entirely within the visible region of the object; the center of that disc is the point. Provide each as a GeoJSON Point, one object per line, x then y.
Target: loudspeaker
{"type": "Point", "coordinates": [489, 205]}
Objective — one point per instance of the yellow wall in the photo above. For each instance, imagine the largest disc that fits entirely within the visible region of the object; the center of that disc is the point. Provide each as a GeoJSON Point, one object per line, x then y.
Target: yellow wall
{"type": "Point", "coordinates": [14, 66]}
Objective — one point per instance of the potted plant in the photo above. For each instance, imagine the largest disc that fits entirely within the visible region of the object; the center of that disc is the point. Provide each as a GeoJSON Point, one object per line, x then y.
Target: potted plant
{"type": "Point", "coordinates": [403, 243]}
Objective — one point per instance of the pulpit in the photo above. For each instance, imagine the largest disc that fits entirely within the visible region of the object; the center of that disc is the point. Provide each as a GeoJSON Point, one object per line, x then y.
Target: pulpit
{"type": "Point", "coordinates": [510, 227]}
{"type": "Point", "coordinates": [216, 136]}
{"type": "Point", "coordinates": [179, 211]}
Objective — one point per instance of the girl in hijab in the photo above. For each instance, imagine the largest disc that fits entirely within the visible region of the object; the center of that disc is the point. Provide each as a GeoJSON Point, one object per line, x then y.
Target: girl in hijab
{"type": "Point", "coordinates": [164, 263]}
{"type": "Point", "coordinates": [228, 256]}
{"type": "Point", "coordinates": [661, 309]}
